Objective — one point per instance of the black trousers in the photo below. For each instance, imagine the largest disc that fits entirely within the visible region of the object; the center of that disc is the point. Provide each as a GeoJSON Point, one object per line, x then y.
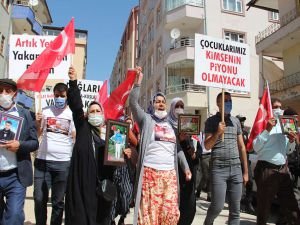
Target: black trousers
{"type": "Point", "coordinates": [274, 180]}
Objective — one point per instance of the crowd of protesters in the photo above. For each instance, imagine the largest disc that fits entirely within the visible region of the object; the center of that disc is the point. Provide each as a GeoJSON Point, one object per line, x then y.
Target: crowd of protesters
{"type": "Point", "coordinates": [160, 177]}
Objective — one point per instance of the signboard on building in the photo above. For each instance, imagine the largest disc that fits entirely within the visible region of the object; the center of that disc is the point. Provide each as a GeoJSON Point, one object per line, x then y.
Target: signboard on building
{"type": "Point", "coordinates": [24, 49]}
{"type": "Point", "coordinates": [221, 63]}
{"type": "Point", "coordinates": [88, 90]}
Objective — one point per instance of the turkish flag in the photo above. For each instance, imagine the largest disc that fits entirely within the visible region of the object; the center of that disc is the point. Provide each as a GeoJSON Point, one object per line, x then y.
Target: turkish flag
{"type": "Point", "coordinates": [102, 95]}
{"type": "Point", "coordinates": [36, 74]}
{"type": "Point", "coordinates": [114, 105]}
{"type": "Point", "coordinates": [264, 113]}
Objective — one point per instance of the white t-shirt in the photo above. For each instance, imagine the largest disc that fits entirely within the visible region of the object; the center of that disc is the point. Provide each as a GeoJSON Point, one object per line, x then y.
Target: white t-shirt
{"type": "Point", "coordinates": [57, 141]}
{"type": "Point", "coordinates": [161, 150]}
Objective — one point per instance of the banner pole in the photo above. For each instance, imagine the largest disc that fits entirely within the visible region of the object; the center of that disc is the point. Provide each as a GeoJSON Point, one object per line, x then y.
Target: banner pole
{"type": "Point", "coordinates": [223, 119]}
{"type": "Point", "coordinates": [39, 102]}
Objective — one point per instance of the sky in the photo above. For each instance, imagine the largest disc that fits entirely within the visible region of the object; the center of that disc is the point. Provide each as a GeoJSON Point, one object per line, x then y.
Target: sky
{"type": "Point", "coordinates": [105, 22]}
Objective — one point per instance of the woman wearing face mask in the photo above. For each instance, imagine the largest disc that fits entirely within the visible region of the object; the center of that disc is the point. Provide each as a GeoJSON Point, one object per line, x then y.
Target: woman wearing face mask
{"type": "Point", "coordinates": [192, 154]}
{"type": "Point", "coordinates": [83, 205]}
{"type": "Point", "coordinates": [156, 186]}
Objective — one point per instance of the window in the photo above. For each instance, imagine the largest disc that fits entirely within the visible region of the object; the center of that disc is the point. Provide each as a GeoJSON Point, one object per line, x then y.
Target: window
{"type": "Point", "coordinates": [150, 32]}
{"type": "Point", "coordinates": [273, 16]}
{"type": "Point", "coordinates": [150, 66]}
{"type": "Point", "coordinates": [2, 44]}
{"type": "Point", "coordinates": [158, 52]}
{"type": "Point", "coordinates": [232, 36]}
{"type": "Point", "coordinates": [158, 16]}
{"type": "Point", "coordinates": [233, 5]}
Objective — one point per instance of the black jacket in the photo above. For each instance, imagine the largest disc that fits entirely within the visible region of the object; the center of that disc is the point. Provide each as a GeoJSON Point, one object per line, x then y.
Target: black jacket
{"type": "Point", "coordinates": [83, 206]}
{"type": "Point", "coordinates": [28, 143]}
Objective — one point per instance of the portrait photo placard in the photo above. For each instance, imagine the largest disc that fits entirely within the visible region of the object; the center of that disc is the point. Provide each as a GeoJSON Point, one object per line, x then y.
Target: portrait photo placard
{"type": "Point", "coordinates": [116, 141]}
{"type": "Point", "coordinates": [288, 124]}
{"type": "Point", "coordinates": [189, 124]}
{"type": "Point", "coordinates": [10, 127]}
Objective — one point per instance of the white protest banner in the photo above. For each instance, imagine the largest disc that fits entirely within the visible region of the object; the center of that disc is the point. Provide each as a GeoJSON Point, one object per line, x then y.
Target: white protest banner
{"type": "Point", "coordinates": [221, 63]}
{"type": "Point", "coordinates": [24, 49]}
{"type": "Point", "coordinates": [88, 90]}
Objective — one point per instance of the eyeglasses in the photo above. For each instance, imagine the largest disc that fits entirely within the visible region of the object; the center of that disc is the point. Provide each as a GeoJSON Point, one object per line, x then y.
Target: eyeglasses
{"type": "Point", "coordinates": [179, 106]}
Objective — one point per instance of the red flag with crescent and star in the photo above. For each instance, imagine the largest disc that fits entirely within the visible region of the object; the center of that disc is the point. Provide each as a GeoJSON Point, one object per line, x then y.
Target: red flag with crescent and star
{"type": "Point", "coordinates": [36, 74]}
{"type": "Point", "coordinates": [114, 105]}
{"type": "Point", "coordinates": [264, 113]}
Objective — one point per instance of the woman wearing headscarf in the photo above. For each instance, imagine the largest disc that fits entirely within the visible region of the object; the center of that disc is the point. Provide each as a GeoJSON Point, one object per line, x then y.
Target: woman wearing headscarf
{"type": "Point", "coordinates": [83, 205]}
{"type": "Point", "coordinates": [192, 154]}
{"type": "Point", "coordinates": [157, 185]}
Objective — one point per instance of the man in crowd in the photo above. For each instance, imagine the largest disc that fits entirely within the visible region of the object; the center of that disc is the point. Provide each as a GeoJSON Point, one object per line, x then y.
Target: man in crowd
{"type": "Point", "coordinates": [226, 158]}
{"type": "Point", "coordinates": [271, 173]}
{"type": "Point", "coordinates": [15, 161]}
{"type": "Point", "coordinates": [52, 162]}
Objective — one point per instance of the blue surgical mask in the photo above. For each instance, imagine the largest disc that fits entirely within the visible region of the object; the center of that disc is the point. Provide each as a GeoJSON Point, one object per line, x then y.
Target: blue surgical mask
{"type": "Point", "coordinates": [227, 107]}
{"type": "Point", "coordinates": [60, 103]}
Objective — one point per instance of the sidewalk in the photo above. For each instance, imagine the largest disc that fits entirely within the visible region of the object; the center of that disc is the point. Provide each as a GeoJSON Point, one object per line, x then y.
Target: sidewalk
{"type": "Point", "coordinates": [202, 206]}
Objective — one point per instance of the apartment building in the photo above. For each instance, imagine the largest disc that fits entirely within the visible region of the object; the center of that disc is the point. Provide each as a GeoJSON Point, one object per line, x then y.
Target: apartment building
{"type": "Point", "coordinates": [168, 63]}
{"type": "Point", "coordinates": [127, 53]}
{"type": "Point", "coordinates": [19, 17]}
{"type": "Point", "coordinates": [281, 41]}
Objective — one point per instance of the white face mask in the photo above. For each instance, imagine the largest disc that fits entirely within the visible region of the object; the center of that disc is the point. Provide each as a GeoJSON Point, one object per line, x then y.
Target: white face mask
{"type": "Point", "coordinates": [178, 111]}
{"type": "Point", "coordinates": [6, 101]}
{"type": "Point", "coordinates": [95, 119]}
{"type": "Point", "coordinates": [277, 112]}
{"type": "Point", "coordinates": [160, 114]}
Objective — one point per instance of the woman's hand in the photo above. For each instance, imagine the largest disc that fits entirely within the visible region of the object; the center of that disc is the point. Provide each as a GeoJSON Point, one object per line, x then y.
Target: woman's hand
{"type": "Point", "coordinates": [139, 75]}
{"type": "Point", "coordinates": [188, 175]}
{"type": "Point", "coordinates": [128, 152]}
{"type": "Point", "coordinates": [72, 73]}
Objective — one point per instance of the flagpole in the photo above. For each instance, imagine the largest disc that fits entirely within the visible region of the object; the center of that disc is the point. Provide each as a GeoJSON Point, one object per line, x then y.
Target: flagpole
{"type": "Point", "coordinates": [223, 119]}
{"type": "Point", "coordinates": [39, 102]}
{"type": "Point", "coordinates": [269, 96]}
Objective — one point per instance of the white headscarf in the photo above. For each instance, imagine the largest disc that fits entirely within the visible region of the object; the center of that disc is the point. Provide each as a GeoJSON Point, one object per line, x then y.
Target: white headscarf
{"type": "Point", "coordinates": [172, 115]}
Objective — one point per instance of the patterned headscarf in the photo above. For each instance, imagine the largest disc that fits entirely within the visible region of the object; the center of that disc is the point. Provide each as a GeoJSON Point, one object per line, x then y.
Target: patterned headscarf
{"type": "Point", "coordinates": [171, 115]}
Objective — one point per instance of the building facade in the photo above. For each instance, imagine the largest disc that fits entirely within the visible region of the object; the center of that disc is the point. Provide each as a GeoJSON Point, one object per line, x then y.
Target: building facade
{"type": "Point", "coordinates": [127, 53]}
{"type": "Point", "coordinates": [281, 41]}
{"type": "Point", "coordinates": [19, 17]}
{"type": "Point", "coordinates": [168, 63]}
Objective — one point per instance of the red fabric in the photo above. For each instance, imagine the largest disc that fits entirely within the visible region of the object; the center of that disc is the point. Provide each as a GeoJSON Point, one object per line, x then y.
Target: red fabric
{"type": "Point", "coordinates": [35, 76]}
{"type": "Point", "coordinates": [196, 137]}
{"type": "Point", "coordinates": [114, 105]}
{"type": "Point", "coordinates": [264, 113]}
{"type": "Point", "coordinates": [102, 96]}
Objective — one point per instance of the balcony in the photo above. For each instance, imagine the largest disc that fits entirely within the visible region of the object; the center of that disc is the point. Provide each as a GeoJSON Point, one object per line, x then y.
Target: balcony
{"type": "Point", "coordinates": [194, 96]}
{"type": "Point", "coordinates": [180, 50]}
{"type": "Point", "coordinates": [185, 87]}
{"type": "Point", "coordinates": [24, 20]}
{"type": "Point", "coordinates": [184, 13]}
{"type": "Point", "coordinates": [279, 36]}
{"type": "Point", "coordinates": [285, 83]}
